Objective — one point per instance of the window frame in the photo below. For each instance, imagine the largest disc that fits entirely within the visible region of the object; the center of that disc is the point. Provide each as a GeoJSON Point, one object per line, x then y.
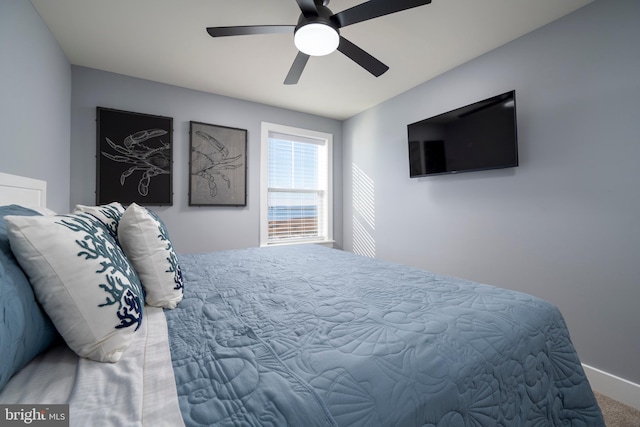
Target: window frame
{"type": "Point", "coordinates": [326, 141]}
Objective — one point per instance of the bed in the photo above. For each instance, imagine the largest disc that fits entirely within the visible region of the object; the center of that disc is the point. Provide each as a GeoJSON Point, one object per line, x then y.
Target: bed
{"type": "Point", "coordinates": [298, 336]}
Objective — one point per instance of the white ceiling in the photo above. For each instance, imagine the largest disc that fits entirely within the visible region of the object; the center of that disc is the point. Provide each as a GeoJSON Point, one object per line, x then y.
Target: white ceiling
{"type": "Point", "coordinates": [166, 41]}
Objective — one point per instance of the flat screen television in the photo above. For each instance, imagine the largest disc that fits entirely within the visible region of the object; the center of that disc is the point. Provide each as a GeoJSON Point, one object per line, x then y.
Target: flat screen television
{"type": "Point", "coordinates": [479, 136]}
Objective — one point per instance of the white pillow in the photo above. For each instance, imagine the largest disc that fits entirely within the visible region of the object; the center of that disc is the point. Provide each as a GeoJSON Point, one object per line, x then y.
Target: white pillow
{"type": "Point", "coordinates": [145, 240]}
{"type": "Point", "coordinates": [109, 214]}
{"type": "Point", "coordinates": [82, 279]}
{"type": "Point", "coordinates": [44, 211]}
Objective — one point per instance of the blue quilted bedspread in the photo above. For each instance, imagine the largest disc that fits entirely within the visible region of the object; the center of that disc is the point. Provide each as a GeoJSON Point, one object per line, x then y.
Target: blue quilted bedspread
{"type": "Point", "coordinates": [311, 336]}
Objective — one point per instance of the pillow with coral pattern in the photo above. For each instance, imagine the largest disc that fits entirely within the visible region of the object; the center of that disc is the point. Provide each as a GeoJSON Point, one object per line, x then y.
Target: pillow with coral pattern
{"type": "Point", "coordinates": [109, 214]}
{"type": "Point", "coordinates": [145, 241]}
{"type": "Point", "coordinates": [82, 279]}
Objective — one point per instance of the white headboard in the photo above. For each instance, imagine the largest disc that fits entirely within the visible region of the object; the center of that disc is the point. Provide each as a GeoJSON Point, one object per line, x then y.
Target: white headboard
{"type": "Point", "coordinates": [19, 190]}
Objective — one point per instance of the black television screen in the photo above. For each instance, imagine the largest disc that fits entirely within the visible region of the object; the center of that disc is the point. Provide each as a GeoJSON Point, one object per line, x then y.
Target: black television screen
{"type": "Point", "coordinates": [479, 136]}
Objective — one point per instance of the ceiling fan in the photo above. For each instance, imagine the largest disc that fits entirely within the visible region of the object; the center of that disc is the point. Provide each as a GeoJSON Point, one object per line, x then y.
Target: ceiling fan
{"type": "Point", "coordinates": [318, 32]}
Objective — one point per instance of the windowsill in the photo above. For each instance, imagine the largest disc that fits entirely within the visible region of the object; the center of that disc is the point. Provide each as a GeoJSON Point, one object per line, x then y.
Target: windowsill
{"type": "Point", "coordinates": [327, 243]}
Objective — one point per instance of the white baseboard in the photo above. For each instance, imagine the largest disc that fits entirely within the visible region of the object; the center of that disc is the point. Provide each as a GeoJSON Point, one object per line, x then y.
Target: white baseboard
{"type": "Point", "coordinates": [615, 387]}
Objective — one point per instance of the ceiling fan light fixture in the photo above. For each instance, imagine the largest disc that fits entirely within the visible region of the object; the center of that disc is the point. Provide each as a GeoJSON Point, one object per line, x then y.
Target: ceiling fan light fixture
{"type": "Point", "coordinates": [316, 39]}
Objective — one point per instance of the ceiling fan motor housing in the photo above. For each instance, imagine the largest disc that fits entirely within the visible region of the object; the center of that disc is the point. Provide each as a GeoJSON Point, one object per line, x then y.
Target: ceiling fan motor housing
{"type": "Point", "coordinates": [321, 34]}
{"type": "Point", "coordinates": [324, 16]}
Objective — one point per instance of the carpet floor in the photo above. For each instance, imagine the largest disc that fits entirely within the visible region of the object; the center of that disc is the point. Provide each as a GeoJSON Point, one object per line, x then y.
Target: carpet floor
{"type": "Point", "coordinates": [617, 414]}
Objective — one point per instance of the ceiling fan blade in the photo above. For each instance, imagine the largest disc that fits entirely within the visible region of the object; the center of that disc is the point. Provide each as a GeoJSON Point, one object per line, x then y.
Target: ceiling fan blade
{"type": "Point", "coordinates": [374, 9]}
{"type": "Point", "coordinates": [308, 7]}
{"type": "Point", "coordinates": [249, 30]}
{"type": "Point", "coordinates": [362, 58]}
{"type": "Point", "coordinates": [296, 69]}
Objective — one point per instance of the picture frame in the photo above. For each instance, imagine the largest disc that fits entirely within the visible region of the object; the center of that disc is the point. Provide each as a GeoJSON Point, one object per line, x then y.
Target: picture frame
{"type": "Point", "coordinates": [217, 165]}
{"type": "Point", "coordinates": [134, 157]}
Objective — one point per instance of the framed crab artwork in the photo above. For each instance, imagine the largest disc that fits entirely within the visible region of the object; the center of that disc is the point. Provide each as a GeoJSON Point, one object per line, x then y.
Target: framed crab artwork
{"type": "Point", "coordinates": [134, 158]}
{"type": "Point", "coordinates": [217, 165]}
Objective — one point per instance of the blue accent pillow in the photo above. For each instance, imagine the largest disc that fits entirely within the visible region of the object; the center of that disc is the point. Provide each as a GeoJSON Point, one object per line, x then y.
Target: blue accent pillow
{"type": "Point", "coordinates": [25, 329]}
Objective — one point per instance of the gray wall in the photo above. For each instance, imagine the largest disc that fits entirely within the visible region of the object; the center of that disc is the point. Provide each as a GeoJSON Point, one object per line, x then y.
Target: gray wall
{"type": "Point", "coordinates": [35, 100]}
{"type": "Point", "coordinates": [192, 229]}
{"type": "Point", "coordinates": [565, 224]}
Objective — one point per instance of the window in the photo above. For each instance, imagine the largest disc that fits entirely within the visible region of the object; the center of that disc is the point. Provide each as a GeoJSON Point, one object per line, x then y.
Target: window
{"type": "Point", "coordinates": [296, 200]}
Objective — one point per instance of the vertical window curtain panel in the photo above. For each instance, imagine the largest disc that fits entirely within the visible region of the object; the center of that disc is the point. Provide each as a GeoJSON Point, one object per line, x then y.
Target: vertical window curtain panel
{"type": "Point", "coordinates": [296, 188]}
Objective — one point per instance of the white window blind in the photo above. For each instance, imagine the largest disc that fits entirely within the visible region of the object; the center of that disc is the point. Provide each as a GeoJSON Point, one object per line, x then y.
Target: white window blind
{"type": "Point", "coordinates": [297, 186]}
